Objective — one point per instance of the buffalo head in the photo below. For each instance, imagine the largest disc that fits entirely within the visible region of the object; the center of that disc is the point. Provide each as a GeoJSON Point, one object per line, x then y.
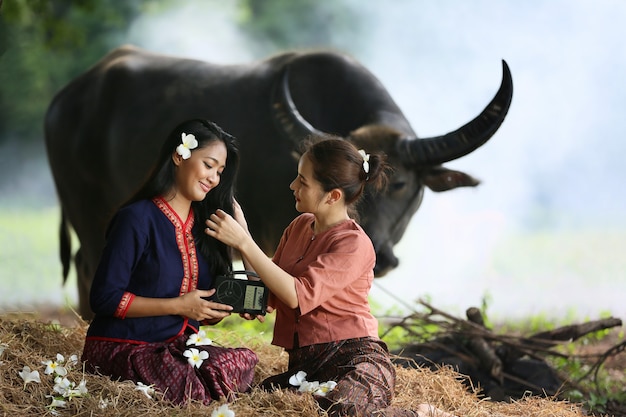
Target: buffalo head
{"type": "Point", "coordinates": [416, 161]}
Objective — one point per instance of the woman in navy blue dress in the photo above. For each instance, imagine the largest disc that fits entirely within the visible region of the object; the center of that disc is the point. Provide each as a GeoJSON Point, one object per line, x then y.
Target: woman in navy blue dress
{"type": "Point", "coordinates": [157, 268]}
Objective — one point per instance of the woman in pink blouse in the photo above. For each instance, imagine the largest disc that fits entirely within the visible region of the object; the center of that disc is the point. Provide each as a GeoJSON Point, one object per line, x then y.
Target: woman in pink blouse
{"type": "Point", "coordinates": [319, 278]}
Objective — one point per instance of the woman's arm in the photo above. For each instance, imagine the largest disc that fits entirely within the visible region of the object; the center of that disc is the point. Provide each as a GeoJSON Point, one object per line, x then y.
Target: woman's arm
{"type": "Point", "coordinates": [226, 229]}
{"type": "Point", "coordinates": [190, 305]}
{"type": "Point", "coordinates": [240, 218]}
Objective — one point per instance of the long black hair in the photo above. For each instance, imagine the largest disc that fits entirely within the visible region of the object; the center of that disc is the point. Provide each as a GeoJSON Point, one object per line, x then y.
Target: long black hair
{"type": "Point", "coordinates": [162, 179]}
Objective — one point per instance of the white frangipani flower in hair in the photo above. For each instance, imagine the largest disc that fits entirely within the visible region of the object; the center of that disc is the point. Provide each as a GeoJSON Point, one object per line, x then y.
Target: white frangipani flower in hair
{"type": "Point", "coordinates": [366, 160]}
{"type": "Point", "coordinates": [189, 142]}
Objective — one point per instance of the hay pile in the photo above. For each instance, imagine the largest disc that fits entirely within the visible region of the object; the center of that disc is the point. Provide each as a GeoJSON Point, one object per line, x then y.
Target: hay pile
{"type": "Point", "coordinates": [28, 341]}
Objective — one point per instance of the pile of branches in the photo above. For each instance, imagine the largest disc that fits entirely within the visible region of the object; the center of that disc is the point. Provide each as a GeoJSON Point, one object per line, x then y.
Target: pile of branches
{"type": "Point", "coordinates": [503, 367]}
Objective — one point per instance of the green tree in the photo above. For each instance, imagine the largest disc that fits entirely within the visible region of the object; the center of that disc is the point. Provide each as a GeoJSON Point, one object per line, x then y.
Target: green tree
{"type": "Point", "coordinates": [45, 43]}
{"type": "Point", "coordinates": [285, 24]}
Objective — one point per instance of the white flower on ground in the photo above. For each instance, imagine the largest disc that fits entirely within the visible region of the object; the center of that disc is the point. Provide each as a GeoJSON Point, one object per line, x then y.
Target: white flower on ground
{"type": "Point", "coordinates": [73, 360]}
{"type": "Point", "coordinates": [3, 347]}
{"type": "Point", "coordinates": [56, 402]}
{"type": "Point", "coordinates": [325, 388]}
{"type": "Point", "coordinates": [297, 378]}
{"type": "Point", "coordinates": [307, 386]}
{"type": "Point", "coordinates": [68, 389]}
{"type": "Point", "coordinates": [195, 357]}
{"type": "Point", "coordinates": [62, 385]}
{"type": "Point", "coordinates": [103, 403]}
{"type": "Point", "coordinates": [199, 339]}
{"type": "Point", "coordinates": [55, 366]}
{"type": "Point", "coordinates": [146, 389]}
{"type": "Point", "coordinates": [29, 376]}
{"type": "Point", "coordinates": [314, 387]}
{"type": "Point", "coordinates": [223, 411]}
{"type": "Point", "coordinates": [78, 391]}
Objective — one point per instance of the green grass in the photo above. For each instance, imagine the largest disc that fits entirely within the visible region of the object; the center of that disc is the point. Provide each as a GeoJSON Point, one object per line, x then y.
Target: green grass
{"type": "Point", "coordinates": [539, 264]}
{"type": "Point", "coordinates": [30, 267]}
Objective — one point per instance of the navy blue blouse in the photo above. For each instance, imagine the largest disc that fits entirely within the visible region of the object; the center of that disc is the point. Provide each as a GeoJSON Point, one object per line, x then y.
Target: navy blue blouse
{"type": "Point", "coordinates": [149, 252]}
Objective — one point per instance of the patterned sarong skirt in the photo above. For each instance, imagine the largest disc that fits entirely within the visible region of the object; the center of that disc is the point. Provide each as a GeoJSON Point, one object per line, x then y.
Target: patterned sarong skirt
{"type": "Point", "coordinates": [163, 365]}
{"type": "Point", "coordinates": [361, 368]}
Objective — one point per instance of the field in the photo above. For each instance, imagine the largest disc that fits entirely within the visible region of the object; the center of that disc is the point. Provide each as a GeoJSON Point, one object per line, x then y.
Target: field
{"type": "Point", "coordinates": [30, 269]}
{"type": "Point", "coordinates": [561, 276]}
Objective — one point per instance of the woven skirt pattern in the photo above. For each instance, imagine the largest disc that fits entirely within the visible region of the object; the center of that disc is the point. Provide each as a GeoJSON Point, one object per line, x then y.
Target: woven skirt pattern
{"type": "Point", "coordinates": [361, 368]}
{"type": "Point", "coordinates": [224, 373]}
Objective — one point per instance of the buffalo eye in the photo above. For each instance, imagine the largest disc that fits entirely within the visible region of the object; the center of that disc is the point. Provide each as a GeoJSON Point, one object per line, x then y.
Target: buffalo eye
{"type": "Point", "coordinates": [397, 186]}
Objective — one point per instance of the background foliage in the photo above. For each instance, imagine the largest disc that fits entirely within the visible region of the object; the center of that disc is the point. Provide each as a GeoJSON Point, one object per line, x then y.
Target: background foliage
{"type": "Point", "coordinates": [46, 43]}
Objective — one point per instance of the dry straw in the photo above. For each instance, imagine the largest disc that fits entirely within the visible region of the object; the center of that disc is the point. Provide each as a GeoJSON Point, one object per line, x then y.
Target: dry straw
{"type": "Point", "coordinates": [30, 341]}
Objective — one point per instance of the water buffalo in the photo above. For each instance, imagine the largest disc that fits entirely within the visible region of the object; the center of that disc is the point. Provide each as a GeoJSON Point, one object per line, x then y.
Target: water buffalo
{"type": "Point", "coordinates": [103, 131]}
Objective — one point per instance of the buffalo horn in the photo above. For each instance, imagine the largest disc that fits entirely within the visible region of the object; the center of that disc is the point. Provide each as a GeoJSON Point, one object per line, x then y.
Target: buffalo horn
{"type": "Point", "coordinates": [440, 149]}
{"type": "Point", "coordinates": [286, 116]}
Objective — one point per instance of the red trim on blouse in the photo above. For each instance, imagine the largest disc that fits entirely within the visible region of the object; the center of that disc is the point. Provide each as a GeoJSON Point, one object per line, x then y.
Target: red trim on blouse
{"type": "Point", "coordinates": [122, 307]}
{"type": "Point", "coordinates": [185, 242]}
{"type": "Point", "coordinates": [117, 340]}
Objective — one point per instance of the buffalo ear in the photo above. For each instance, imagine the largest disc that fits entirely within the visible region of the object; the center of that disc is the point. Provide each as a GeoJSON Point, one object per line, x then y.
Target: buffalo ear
{"type": "Point", "coordinates": [444, 179]}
